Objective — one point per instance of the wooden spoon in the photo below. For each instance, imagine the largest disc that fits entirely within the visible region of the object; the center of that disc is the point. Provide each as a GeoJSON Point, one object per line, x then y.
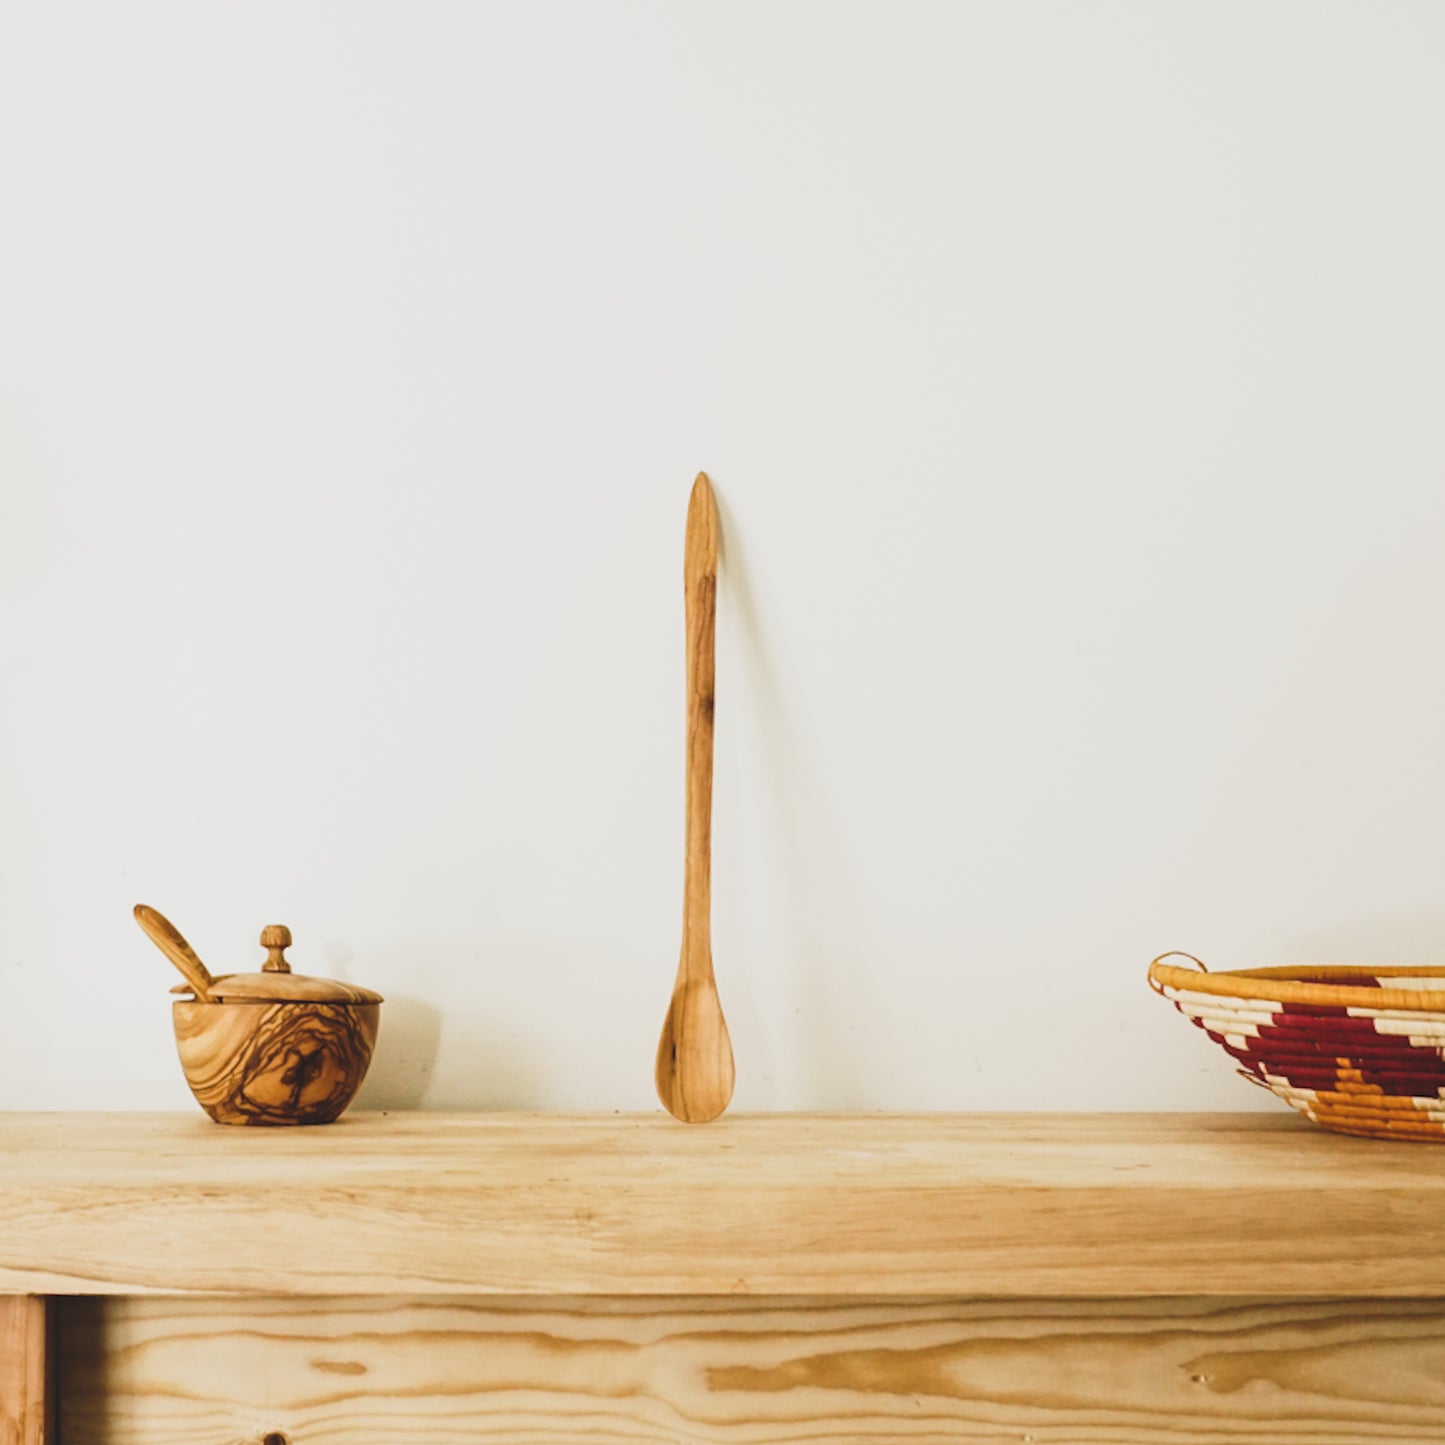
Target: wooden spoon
{"type": "Point", "coordinates": [694, 1054]}
{"type": "Point", "coordinates": [166, 937]}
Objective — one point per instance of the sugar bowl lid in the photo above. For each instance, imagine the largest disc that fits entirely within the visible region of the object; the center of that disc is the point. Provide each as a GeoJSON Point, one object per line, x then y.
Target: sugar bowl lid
{"type": "Point", "coordinates": [274, 983]}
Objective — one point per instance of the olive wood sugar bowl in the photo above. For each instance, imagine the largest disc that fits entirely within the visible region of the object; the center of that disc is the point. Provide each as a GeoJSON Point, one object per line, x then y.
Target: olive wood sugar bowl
{"type": "Point", "coordinates": [272, 1047]}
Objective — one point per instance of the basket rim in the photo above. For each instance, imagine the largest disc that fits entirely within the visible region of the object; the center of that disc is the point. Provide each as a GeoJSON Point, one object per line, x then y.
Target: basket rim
{"type": "Point", "coordinates": [1326, 984]}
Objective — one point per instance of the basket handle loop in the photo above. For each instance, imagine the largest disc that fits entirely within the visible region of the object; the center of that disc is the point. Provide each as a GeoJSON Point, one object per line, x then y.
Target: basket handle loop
{"type": "Point", "coordinates": [1173, 953]}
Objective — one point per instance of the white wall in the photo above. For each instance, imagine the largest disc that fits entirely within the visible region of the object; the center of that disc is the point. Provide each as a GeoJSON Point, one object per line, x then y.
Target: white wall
{"type": "Point", "coordinates": [1071, 380]}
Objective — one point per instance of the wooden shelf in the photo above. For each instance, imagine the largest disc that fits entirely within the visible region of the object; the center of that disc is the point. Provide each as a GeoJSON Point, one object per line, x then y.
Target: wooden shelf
{"type": "Point", "coordinates": [758, 1281]}
{"type": "Point", "coordinates": [827, 1207]}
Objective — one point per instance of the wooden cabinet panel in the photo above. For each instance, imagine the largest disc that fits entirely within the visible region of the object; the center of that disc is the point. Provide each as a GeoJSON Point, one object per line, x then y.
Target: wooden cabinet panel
{"type": "Point", "coordinates": [749, 1372]}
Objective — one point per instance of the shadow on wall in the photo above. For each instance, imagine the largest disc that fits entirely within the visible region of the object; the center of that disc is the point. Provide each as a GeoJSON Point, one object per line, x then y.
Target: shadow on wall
{"type": "Point", "coordinates": [489, 1069]}
{"type": "Point", "coordinates": [823, 925]}
{"type": "Point", "coordinates": [406, 1055]}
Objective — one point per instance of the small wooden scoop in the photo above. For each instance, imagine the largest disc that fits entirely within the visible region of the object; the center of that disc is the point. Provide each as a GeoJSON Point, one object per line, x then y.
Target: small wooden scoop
{"type": "Point", "coordinates": [166, 937]}
{"type": "Point", "coordinates": [694, 1054]}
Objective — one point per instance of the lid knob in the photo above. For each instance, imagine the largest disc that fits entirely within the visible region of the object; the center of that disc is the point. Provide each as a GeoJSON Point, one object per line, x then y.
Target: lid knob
{"type": "Point", "coordinates": [276, 939]}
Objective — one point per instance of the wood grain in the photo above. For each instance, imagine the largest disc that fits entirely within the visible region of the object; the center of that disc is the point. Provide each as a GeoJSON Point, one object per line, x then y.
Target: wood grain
{"type": "Point", "coordinates": [275, 1063]}
{"type": "Point", "coordinates": [694, 1068]}
{"type": "Point", "coordinates": [763, 1372]}
{"type": "Point", "coordinates": [832, 1206]}
{"type": "Point", "coordinates": [26, 1403]}
{"type": "Point", "coordinates": [169, 939]}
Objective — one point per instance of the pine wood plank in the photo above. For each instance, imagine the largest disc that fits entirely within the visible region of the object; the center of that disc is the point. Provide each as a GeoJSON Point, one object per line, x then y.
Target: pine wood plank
{"type": "Point", "coordinates": [25, 1401]}
{"type": "Point", "coordinates": [774, 1372]}
{"type": "Point", "coordinates": [928, 1206]}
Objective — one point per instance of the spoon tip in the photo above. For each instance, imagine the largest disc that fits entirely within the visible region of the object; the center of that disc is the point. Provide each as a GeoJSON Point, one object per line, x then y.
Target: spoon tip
{"type": "Point", "coordinates": [695, 1073]}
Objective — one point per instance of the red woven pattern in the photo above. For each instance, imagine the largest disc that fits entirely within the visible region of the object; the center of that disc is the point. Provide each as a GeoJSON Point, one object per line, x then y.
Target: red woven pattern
{"type": "Point", "coordinates": [1334, 1064]}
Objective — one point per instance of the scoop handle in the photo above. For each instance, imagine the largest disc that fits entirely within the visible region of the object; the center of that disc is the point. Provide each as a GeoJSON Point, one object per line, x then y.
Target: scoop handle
{"type": "Point", "coordinates": [166, 937]}
{"type": "Point", "coordinates": [700, 612]}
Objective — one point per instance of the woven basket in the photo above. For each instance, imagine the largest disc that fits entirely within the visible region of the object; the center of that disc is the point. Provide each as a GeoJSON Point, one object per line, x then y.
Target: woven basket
{"type": "Point", "coordinates": [1358, 1050]}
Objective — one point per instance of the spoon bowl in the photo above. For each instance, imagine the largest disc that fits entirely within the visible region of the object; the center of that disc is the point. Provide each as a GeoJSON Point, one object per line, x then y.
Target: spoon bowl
{"type": "Point", "coordinates": [695, 1072]}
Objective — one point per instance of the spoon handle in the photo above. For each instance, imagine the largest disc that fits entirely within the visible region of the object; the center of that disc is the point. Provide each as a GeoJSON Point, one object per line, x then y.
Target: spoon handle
{"type": "Point", "coordinates": [167, 938]}
{"type": "Point", "coordinates": [700, 600]}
